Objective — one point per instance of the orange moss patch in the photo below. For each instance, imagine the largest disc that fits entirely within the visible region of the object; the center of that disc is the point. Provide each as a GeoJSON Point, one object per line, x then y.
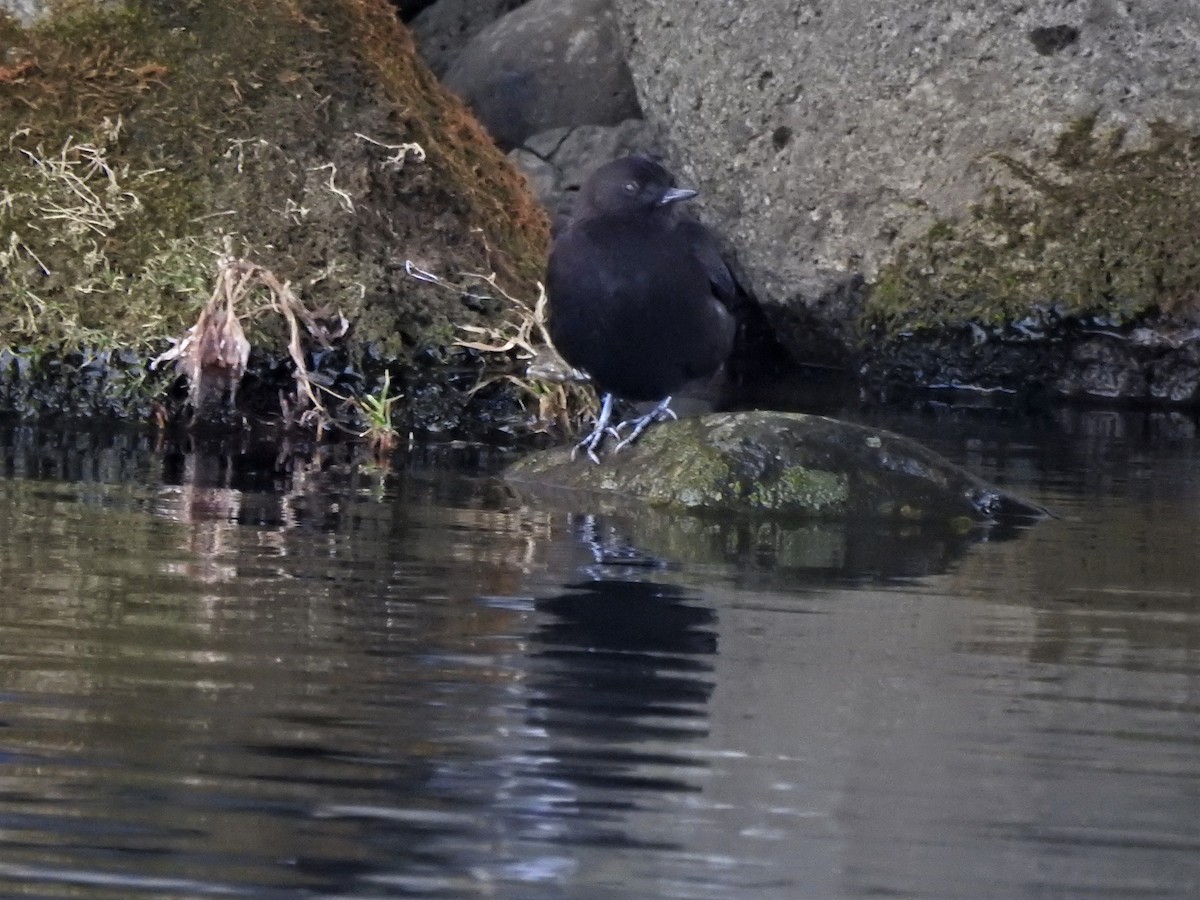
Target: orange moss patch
{"type": "Point", "coordinates": [496, 198]}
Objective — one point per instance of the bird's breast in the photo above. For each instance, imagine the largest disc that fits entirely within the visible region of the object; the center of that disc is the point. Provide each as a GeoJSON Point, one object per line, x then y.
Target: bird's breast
{"type": "Point", "coordinates": [633, 307]}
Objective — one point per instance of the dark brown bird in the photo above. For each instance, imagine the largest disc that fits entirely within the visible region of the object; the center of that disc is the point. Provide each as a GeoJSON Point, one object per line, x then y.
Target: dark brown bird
{"type": "Point", "coordinates": [637, 293]}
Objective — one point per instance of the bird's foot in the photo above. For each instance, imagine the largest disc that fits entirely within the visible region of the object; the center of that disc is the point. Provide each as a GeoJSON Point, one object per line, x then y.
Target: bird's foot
{"type": "Point", "coordinates": [592, 441]}
{"type": "Point", "coordinates": [660, 413]}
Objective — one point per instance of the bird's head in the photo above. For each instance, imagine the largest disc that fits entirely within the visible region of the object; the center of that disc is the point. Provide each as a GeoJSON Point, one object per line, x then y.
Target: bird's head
{"type": "Point", "coordinates": [631, 185]}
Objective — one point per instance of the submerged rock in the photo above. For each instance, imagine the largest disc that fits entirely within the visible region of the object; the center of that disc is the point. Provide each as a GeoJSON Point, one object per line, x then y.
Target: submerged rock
{"type": "Point", "coordinates": [784, 464]}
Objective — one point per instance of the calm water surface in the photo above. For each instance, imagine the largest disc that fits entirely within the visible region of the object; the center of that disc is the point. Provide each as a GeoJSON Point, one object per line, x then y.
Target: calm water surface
{"type": "Point", "coordinates": [226, 674]}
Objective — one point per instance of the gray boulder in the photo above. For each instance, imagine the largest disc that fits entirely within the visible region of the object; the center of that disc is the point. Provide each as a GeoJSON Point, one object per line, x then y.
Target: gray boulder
{"type": "Point", "coordinates": [550, 63]}
{"type": "Point", "coordinates": [829, 138]}
{"type": "Point", "coordinates": [556, 162]}
{"type": "Point", "coordinates": [26, 12]}
{"type": "Point", "coordinates": [444, 28]}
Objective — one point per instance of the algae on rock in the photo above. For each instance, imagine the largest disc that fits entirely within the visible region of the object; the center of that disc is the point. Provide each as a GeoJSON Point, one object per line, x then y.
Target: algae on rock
{"type": "Point", "coordinates": [778, 464]}
{"type": "Point", "coordinates": [1090, 229]}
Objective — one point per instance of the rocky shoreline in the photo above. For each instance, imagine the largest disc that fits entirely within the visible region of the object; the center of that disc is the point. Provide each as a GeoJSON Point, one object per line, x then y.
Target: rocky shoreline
{"type": "Point", "coordinates": [939, 196]}
{"type": "Point", "coordinates": [945, 195]}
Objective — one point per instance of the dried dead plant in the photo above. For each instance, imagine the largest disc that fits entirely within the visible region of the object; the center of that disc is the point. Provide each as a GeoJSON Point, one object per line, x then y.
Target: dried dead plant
{"type": "Point", "coordinates": [212, 356]}
{"type": "Point", "coordinates": [82, 189]}
{"type": "Point", "coordinates": [214, 352]}
{"type": "Point", "coordinates": [561, 392]}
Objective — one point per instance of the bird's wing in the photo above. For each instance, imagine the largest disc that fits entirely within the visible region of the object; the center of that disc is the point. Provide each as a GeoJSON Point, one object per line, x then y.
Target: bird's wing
{"type": "Point", "coordinates": [580, 289]}
{"type": "Point", "coordinates": [707, 250]}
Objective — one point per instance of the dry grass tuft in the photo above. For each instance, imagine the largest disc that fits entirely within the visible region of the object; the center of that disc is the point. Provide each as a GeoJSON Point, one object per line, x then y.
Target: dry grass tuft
{"type": "Point", "coordinates": [214, 352]}
{"type": "Point", "coordinates": [561, 393]}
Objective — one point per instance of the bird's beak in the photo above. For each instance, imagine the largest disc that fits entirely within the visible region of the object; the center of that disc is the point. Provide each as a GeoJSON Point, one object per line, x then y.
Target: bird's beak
{"type": "Point", "coordinates": [674, 195]}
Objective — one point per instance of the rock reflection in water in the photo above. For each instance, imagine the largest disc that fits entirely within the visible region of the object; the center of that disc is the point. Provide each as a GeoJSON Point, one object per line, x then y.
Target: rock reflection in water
{"type": "Point", "coordinates": [817, 552]}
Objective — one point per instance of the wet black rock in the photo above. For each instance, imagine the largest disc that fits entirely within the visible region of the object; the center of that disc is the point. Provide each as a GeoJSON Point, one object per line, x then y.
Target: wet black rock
{"type": "Point", "coordinates": [1154, 361]}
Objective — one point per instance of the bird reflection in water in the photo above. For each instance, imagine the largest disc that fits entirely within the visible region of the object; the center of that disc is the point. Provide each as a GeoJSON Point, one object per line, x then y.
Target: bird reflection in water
{"type": "Point", "coordinates": [609, 549]}
{"type": "Point", "coordinates": [624, 675]}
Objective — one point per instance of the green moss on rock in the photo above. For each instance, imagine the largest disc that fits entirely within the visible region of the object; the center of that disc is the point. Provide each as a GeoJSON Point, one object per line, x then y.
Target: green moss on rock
{"type": "Point", "coordinates": [678, 472]}
{"type": "Point", "coordinates": [799, 487]}
{"type": "Point", "coordinates": [779, 464]}
{"type": "Point", "coordinates": [1091, 228]}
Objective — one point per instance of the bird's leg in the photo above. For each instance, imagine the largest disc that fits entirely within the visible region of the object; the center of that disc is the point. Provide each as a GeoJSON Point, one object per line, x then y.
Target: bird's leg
{"type": "Point", "coordinates": [641, 423]}
{"type": "Point", "coordinates": [597, 433]}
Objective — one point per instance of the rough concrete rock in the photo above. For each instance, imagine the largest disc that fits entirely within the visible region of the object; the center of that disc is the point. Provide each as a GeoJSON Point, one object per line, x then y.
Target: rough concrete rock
{"type": "Point", "coordinates": [826, 135]}
{"type": "Point", "coordinates": [444, 28]}
{"type": "Point", "coordinates": [25, 11]}
{"type": "Point", "coordinates": [549, 63]}
{"type": "Point", "coordinates": [557, 161]}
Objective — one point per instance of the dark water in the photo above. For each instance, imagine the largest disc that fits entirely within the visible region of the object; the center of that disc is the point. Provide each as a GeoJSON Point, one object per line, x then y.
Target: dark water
{"type": "Point", "coordinates": [236, 675]}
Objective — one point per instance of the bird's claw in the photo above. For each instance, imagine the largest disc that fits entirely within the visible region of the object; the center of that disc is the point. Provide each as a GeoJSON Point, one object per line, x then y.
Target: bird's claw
{"type": "Point", "coordinates": [641, 423]}
{"type": "Point", "coordinates": [592, 441]}
{"type": "Point", "coordinates": [602, 428]}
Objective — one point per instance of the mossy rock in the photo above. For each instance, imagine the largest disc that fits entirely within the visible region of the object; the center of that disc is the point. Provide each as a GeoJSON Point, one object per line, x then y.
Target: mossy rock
{"type": "Point", "coordinates": [140, 140]}
{"type": "Point", "coordinates": [780, 464]}
{"type": "Point", "coordinates": [1078, 275]}
{"type": "Point", "coordinates": [1092, 228]}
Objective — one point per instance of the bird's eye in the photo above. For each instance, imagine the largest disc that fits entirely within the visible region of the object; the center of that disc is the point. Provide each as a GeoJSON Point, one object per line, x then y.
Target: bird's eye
{"type": "Point", "coordinates": [630, 187]}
